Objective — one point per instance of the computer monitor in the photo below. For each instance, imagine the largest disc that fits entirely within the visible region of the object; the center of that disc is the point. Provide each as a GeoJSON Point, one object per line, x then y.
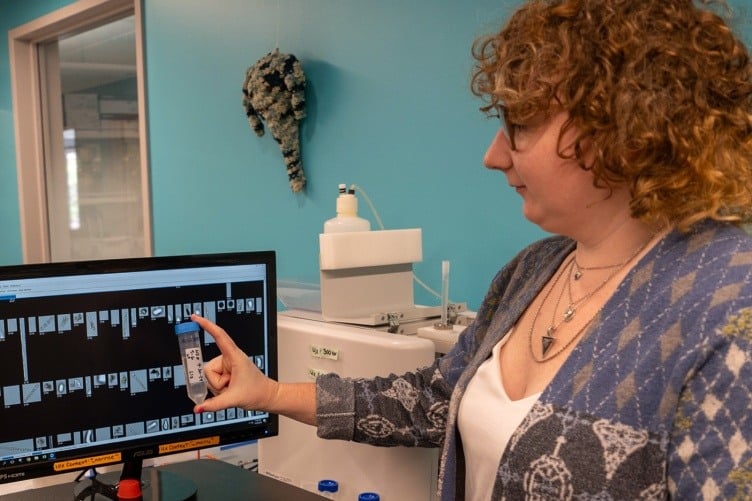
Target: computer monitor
{"type": "Point", "coordinates": [90, 370]}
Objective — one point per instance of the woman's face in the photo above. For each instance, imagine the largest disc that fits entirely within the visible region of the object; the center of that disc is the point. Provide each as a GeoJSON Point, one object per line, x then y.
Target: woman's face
{"type": "Point", "coordinates": [557, 194]}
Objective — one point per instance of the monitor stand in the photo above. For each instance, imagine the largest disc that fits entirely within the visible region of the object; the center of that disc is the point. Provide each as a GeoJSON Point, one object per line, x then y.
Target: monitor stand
{"type": "Point", "coordinates": [156, 485]}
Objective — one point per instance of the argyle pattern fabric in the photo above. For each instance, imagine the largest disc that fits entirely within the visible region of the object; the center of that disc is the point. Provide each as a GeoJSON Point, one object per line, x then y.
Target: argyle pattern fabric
{"type": "Point", "coordinates": [655, 402]}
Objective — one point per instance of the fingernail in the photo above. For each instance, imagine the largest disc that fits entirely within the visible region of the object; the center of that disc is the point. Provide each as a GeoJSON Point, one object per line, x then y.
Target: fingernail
{"type": "Point", "coordinates": [199, 410]}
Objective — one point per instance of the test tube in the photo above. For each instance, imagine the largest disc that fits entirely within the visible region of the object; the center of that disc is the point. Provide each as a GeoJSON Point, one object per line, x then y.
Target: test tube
{"type": "Point", "coordinates": [193, 360]}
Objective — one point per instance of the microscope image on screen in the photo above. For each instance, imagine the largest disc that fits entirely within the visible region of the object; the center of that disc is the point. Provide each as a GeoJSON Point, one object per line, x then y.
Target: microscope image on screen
{"type": "Point", "coordinates": [91, 371]}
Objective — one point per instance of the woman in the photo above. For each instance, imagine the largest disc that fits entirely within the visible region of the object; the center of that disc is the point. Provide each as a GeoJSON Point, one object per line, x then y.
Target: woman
{"type": "Point", "coordinates": [613, 360]}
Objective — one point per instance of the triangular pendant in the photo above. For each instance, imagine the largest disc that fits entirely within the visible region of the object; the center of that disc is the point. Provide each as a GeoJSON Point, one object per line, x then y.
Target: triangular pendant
{"type": "Point", "coordinates": [547, 341]}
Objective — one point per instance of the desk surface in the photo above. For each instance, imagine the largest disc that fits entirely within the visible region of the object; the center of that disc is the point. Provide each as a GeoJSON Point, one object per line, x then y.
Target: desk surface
{"type": "Point", "coordinates": [216, 481]}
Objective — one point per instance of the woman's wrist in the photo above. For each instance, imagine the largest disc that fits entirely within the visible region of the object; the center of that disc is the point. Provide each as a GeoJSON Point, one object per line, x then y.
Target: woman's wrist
{"type": "Point", "coordinates": [272, 402]}
{"type": "Point", "coordinates": [294, 400]}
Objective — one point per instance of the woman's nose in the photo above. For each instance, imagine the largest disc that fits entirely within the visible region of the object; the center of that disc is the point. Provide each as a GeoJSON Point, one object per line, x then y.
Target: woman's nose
{"type": "Point", "coordinates": [499, 152]}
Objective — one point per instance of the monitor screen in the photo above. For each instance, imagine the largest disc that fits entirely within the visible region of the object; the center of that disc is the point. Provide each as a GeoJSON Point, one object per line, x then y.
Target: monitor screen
{"type": "Point", "coordinates": [90, 370]}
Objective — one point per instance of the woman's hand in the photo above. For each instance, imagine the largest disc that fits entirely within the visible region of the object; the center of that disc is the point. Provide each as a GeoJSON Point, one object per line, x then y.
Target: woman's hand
{"type": "Point", "coordinates": [232, 377]}
{"type": "Point", "coordinates": [237, 382]}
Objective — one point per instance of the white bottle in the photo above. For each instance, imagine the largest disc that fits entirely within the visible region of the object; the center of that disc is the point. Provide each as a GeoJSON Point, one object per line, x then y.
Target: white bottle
{"type": "Point", "coordinates": [347, 214]}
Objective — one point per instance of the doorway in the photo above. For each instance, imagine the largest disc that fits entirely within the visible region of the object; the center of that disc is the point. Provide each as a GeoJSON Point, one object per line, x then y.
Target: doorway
{"type": "Point", "coordinates": [81, 142]}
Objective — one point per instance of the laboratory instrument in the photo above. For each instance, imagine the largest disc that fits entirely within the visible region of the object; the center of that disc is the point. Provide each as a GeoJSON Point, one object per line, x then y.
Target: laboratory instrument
{"type": "Point", "coordinates": [366, 324]}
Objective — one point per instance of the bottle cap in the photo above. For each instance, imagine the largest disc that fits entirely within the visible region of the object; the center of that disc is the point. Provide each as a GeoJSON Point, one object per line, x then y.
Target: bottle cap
{"type": "Point", "coordinates": [186, 327]}
{"type": "Point", "coordinates": [347, 205]}
{"type": "Point", "coordinates": [368, 496]}
{"type": "Point", "coordinates": [129, 489]}
{"type": "Point", "coordinates": [328, 486]}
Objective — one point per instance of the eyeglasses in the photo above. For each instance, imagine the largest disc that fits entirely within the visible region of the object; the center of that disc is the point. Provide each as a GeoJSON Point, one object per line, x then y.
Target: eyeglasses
{"type": "Point", "coordinates": [526, 131]}
{"type": "Point", "coordinates": [506, 126]}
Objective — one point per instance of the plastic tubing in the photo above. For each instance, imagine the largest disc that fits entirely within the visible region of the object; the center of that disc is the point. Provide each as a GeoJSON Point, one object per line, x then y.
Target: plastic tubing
{"type": "Point", "coordinates": [444, 292]}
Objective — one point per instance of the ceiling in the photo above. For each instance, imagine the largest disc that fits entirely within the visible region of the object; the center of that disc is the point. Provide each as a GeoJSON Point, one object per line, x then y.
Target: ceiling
{"type": "Point", "coordinates": [98, 56]}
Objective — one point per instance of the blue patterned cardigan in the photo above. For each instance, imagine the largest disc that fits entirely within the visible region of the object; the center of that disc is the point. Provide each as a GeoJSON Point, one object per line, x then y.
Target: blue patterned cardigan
{"type": "Point", "coordinates": [654, 402]}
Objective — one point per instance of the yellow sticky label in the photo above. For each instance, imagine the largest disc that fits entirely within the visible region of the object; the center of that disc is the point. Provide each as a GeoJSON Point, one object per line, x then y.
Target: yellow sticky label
{"type": "Point", "coordinates": [199, 443]}
{"type": "Point", "coordinates": [324, 352]}
{"type": "Point", "coordinates": [78, 464]}
{"type": "Point", "coordinates": [314, 373]}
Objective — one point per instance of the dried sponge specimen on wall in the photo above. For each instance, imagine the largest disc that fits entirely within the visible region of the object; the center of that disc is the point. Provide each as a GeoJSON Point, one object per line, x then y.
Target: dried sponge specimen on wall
{"type": "Point", "coordinates": [274, 93]}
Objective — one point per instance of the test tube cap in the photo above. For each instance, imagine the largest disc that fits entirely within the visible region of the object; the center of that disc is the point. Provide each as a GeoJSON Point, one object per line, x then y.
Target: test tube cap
{"type": "Point", "coordinates": [186, 327]}
{"type": "Point", "coordinates": [328, 485]}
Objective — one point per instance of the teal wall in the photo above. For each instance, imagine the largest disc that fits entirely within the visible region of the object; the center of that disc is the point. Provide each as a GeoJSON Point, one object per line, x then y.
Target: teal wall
{"type": "Point", "coordinates": [389, 109]}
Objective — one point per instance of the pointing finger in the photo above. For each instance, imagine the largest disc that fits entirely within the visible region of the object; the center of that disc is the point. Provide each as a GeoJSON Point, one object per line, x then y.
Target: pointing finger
{"type": "Point", "coordinates": [223, 340]}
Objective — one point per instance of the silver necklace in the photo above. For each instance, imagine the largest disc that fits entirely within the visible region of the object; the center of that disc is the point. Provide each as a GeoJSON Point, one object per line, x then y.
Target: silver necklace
{"type": "Point", "coordinates": [572, 305]}
{"type": "Point", "coordinates": [573, 272]}
{"type": "Point", "coordinates": [579, 269]}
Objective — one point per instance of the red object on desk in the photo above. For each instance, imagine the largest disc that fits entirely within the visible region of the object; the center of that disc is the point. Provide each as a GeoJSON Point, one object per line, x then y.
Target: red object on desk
{"type": "Point", "coordinates": [129, 489]}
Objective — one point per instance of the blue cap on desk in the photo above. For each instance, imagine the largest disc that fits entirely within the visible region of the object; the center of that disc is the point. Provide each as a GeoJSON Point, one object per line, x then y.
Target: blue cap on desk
{"type": "Point", "coordinates": [328, 486]}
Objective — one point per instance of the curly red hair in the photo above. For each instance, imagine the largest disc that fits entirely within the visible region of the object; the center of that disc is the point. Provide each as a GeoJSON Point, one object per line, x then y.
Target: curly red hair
{"type": "Point", "coordinates": [658, 91]}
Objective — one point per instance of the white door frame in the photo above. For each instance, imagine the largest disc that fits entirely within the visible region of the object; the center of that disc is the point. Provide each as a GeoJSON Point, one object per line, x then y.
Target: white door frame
{"type": "Point", "coordinates": [27, 113]}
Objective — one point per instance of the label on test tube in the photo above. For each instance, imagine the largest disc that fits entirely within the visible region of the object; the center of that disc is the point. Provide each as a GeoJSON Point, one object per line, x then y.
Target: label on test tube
{"type": "Point", "coordinates": [193, 360]}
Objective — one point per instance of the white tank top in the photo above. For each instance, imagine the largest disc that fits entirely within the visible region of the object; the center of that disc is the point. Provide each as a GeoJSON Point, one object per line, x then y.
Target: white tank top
{"type": "Point", "coordinates": [487, 419]}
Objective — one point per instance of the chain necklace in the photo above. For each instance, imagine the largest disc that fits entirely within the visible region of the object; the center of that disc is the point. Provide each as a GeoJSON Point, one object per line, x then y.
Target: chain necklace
{"type": "Point", "coordinates": [572, 305]}
{"type": "Point", "coordinates": [572, 270]}
{"type": "Point", "coordinates": [579, 269]}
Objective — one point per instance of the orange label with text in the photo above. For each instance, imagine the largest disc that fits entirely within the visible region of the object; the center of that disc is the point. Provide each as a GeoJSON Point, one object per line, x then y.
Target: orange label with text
{"type": "Point", "coordinates": [78, 464]}
{"type": "Point", "coordinates": [199, 443]}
